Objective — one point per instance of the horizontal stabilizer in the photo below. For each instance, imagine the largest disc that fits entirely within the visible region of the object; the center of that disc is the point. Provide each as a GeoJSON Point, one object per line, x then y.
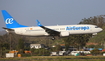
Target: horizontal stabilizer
{"type": "Point", "coordinates": [8, 29]}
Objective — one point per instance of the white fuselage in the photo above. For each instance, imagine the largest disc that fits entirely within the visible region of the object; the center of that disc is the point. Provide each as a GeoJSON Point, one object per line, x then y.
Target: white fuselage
{"type": "Point", "coordinates": [62, 30]}
{"type": "Point", "coordinates": [71, 29]}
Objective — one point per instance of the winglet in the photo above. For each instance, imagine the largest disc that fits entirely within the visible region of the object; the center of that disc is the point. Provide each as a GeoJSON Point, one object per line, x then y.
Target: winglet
{"type": "Point", "coordinates": [38, 23]}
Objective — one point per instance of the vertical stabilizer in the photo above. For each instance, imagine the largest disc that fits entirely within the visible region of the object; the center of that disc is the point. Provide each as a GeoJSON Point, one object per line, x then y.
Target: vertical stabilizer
{"type": "Point", "coordinates": [10, 21]}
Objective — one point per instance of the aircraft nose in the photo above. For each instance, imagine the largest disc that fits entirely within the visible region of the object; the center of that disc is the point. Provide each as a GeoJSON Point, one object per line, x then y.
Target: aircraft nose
{"type": "Point", "coordinates": [100, 29]}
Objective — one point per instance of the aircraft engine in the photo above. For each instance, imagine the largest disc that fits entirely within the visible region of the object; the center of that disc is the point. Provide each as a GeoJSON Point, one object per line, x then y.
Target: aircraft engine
{"type": "Point", "coordinates": [21, 32]}
{"type": "Point", "coordinates": [64, 34]}
{"type": "Point", "coordinates": [17, 31]}
{"type": "Point", "coordinates": [94, 34]}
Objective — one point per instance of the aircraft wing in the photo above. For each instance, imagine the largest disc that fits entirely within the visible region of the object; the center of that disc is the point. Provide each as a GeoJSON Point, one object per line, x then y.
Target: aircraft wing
{"type": "Point", "coordinates": [51, 32]}
{"type": "Point", "coordinates": [8, 29]}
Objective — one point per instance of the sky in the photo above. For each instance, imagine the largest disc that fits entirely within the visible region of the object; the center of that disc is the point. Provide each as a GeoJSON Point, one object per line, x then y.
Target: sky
{"type": "Point", "coordinates": [51, 12]}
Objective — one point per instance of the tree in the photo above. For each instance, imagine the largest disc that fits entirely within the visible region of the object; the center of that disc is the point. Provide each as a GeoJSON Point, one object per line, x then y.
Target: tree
{"type": "Point", "coordinates": [21, 45]}
{"type": "Point", "coordinates": [4, 46]}
{"type": "Point", "coordinates": [96, 20]}
{"type": "Point", "coordinates": [56, 48]}
{"type": "Point", "coordinates": [40, 52]}
{"type": "Point", "coordinates": [76, 40]}
{"type": "Point", "coordinates": [95, 52]}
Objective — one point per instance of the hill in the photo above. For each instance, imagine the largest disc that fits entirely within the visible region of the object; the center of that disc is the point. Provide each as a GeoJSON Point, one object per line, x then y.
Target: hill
{"type": "Point", "coordinates": [2, 32]}
{"type": "Point", "coordinates": [99, 38]}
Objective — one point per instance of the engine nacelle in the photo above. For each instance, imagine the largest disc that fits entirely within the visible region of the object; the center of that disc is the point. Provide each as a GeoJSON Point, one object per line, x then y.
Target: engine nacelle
{"type": "Point", "coordinates": [94, 34]}
{"type": "Point", "coordinates": [46, 34]}
{"type": "Point", "coordinates": [64, 34]}
{"type": "Point", "coordinates": [18, 32]}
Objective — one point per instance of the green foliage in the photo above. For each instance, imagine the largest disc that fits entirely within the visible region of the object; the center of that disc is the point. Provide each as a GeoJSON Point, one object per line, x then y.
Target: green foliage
{"type": "Point", "coordinates": [77, 40]}
{"type": "Point", "coordinates": [102, 52]}
{"type": "Point", "coordinates": [26, 55]}
{"type": "Point", "coordinates": [94, 46]}
{"type": "Point", "coordinates": [99, 21]}
{"type": "Point", "coordinates": [100, 37]}
{"type": "Point", "coordinates": [57, 58]}
{"type": "Point", "coordinates": [40, 52]}
{"type": "Point", "coordinates": [81, 40]}
{"type": "Point", "coordinates": [95, 52]}
{"type": "Point", "coordinates": [56, 48]}
{"type": "Point", "coordinates": [21, 44]}
{"type": "Point", "coordinates": [4, 46]}
{"type": "Point", "coordinates": [96, 20]}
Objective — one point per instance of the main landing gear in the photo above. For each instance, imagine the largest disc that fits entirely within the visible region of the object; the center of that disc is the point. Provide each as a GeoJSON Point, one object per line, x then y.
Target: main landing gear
{"type": "Point", "coordinates": [53, 38]}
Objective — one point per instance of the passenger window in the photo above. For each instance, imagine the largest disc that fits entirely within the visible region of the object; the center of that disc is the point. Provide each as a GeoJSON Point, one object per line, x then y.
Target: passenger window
{"type": "Point", "coordinates": [62, 28]}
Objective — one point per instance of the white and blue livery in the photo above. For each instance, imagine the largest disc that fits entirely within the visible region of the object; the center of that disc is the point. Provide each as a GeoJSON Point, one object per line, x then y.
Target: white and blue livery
{"type": "Point", "coordinates": [60, 30]}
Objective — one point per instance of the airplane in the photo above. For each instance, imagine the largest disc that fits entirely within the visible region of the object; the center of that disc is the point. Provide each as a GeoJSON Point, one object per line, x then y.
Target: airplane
{"type": "Point", "coordinates": [12, 26]}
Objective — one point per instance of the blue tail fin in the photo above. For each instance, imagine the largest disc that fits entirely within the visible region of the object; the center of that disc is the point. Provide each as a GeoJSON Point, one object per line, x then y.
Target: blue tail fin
{"type": "Point", "coordinates": [10, 21]}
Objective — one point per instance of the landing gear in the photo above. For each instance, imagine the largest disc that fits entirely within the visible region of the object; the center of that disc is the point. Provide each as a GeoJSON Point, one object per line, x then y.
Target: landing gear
{"type": "Point", "coordinates": [53, 38]}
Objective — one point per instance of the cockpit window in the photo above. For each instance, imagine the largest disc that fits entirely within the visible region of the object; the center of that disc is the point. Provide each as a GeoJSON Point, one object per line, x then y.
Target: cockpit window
{"type": "Point", "coordinates": [96, 27]}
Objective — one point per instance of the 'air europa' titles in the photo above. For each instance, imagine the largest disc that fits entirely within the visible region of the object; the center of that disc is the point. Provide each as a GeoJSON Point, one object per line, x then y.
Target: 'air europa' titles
{"type": "Point", "coordinates": [77, 28]}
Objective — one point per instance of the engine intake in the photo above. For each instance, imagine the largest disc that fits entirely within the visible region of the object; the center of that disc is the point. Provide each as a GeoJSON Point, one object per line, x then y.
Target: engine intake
{"type": "Point", "coordinates": [64, 34]}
